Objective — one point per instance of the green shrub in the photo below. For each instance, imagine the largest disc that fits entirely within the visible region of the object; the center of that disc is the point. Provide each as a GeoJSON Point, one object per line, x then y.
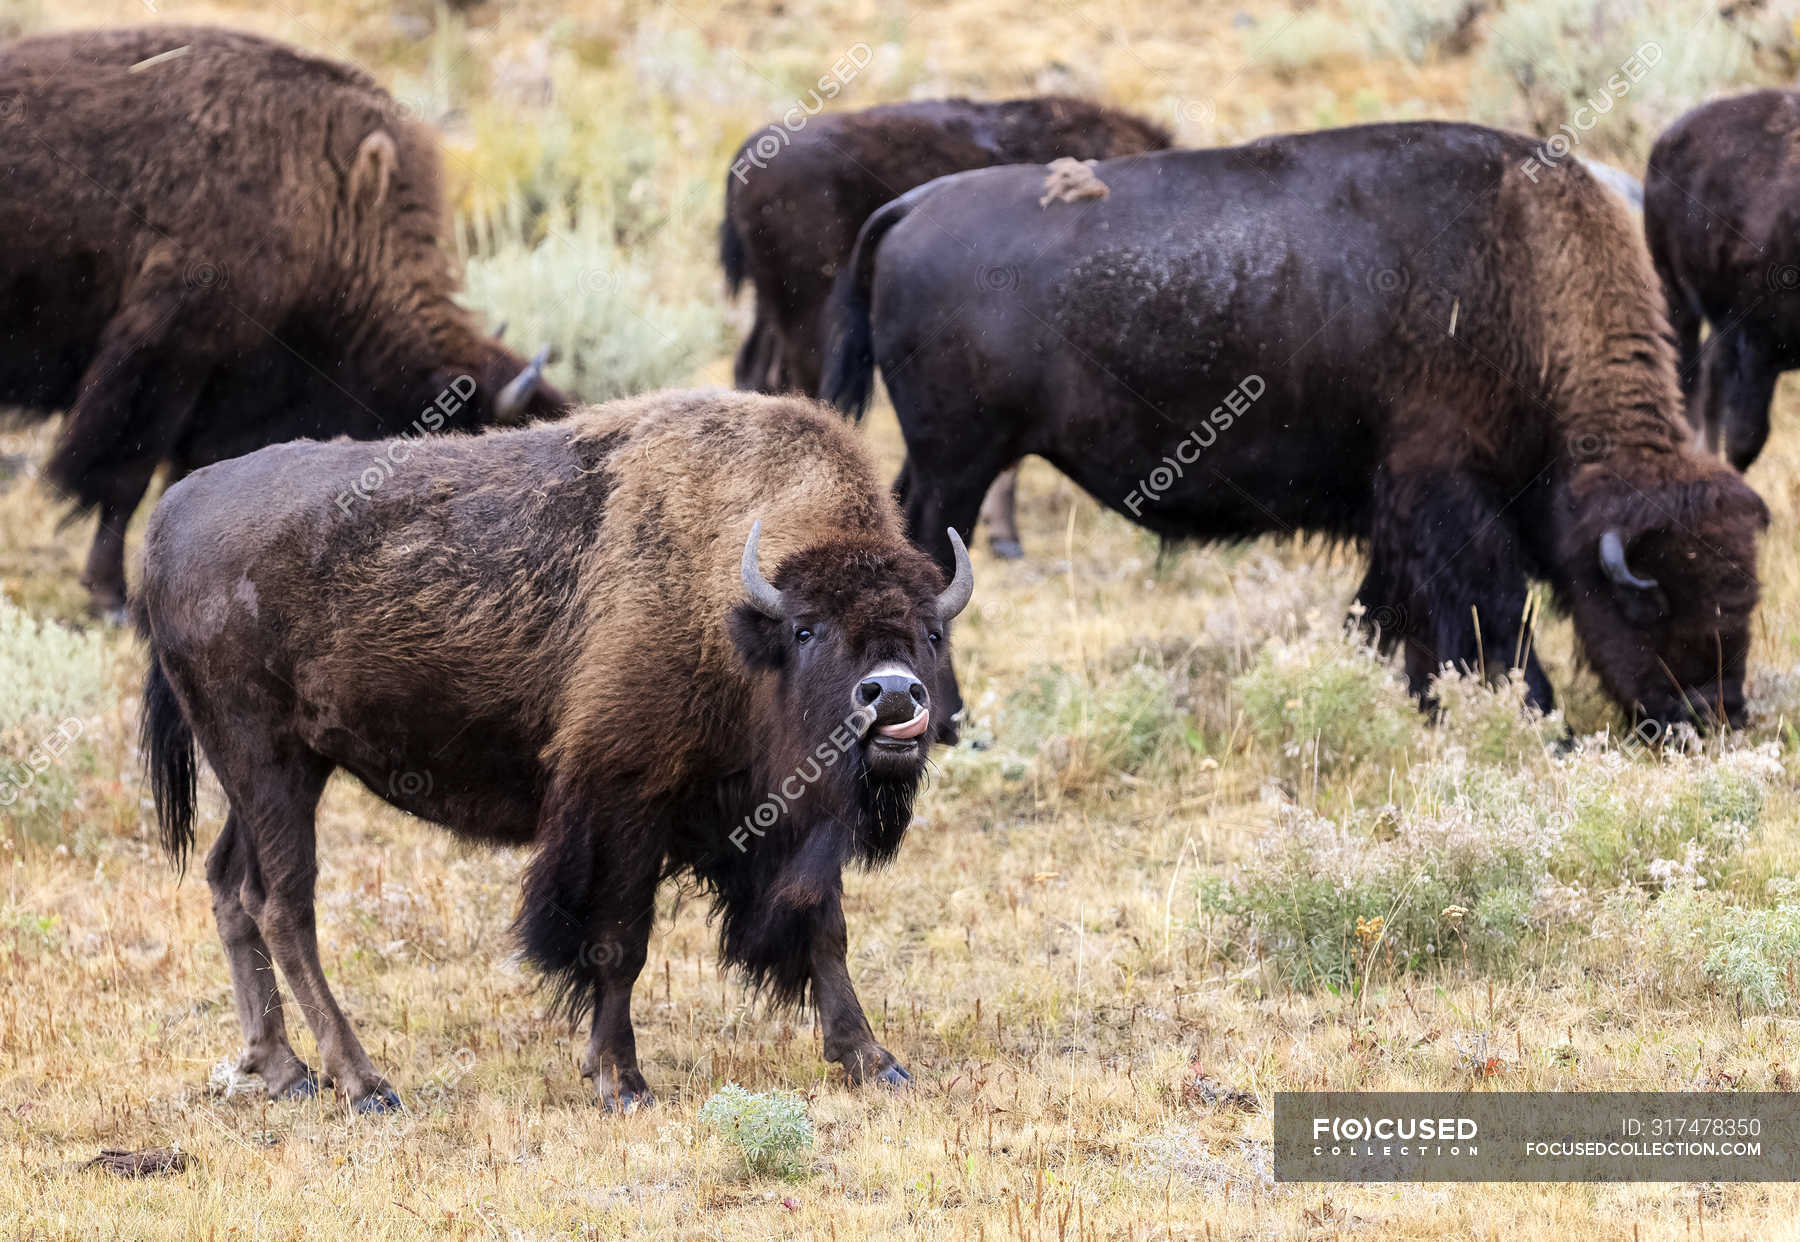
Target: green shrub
{"type": "Point", "coordinates": [1493, 723]}
{"type": "Point", "coordinates": [1327, 902]}
{"type": "Point", "coordinates": [1129, 723]}
{"type": "Point", "coordinates": [1328, 702]}
{"type": "Point", "coordinates": [770, 1129]}
{"type": "Point", "coordinates": [611, 330]}
{"type": "Point", "coordinates": [50, 678]}
{"type": "Point", "coordinates": [1631, 821]}
{"type": "Point", "coordinates": [1748, 953]}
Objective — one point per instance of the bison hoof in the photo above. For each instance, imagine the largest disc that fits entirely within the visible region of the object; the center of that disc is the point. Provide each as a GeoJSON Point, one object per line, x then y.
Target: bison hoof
{"type": "Point", "coordinates": [304, 1087]}
{"type": "Point", "coordinates": [627, 1101]}
{"type": "Point", "coordinates": [386, 1100]}
{"type": "Point", "coordinates": [894, 1076]}
{"type": "Point", "coordinates": [1006, 549]}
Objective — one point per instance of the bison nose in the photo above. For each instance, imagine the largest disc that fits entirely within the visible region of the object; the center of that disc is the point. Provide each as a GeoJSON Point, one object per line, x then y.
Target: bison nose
{"type": "Point", "coordinates": [892, 696]}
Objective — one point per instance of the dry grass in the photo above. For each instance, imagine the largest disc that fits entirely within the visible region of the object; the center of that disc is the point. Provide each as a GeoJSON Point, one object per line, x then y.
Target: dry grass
{"type": "Point", "coordinates": [1040, 956]}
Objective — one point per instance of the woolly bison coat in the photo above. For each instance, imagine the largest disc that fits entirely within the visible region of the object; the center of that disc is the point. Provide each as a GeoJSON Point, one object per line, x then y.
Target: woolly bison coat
{"type": "Point", "coordinates": [792, 211]}
{"type": "Point", "coordinates": [555, 636]}
{"type": "Point", "coordinates": [216, 242]}
{"type": "Point", "coordinates": [1386, 333]}
{"type": "Point", "coordinates": [1722, 215]}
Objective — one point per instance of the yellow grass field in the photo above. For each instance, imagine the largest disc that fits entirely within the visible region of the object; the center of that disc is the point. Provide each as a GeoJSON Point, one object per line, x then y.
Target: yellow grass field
{"type": "Point", "coordinates": [1079, 953]}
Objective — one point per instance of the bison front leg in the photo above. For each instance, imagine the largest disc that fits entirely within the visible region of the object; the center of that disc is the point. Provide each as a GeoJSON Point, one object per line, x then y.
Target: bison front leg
{"type": "Point", "coordinates": [617, 957]}
{"type": "Point", "coordinates": [1447, 580]}
{"type": "Point", "coordinates": [848, 1039]}
{"type": "Point", "coordinates": [1000, 514]}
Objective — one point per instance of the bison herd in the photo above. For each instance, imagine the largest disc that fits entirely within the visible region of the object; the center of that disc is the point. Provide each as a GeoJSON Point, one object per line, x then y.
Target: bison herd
{"type": "Point", "coordinates": [693, 632]}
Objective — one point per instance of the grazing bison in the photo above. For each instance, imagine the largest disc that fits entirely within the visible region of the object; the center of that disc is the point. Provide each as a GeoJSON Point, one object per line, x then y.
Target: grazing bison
{"type": "Point", "coordinates": [1722, 216]}
{"type": "Point", "coordinates": [215, 242]}
{"type": "Point", "coordinates": [1385, 333]}
{"type": "Point", "coordinates": [795, 199]}
{"type": "Point", "coordinates": [558, 636]}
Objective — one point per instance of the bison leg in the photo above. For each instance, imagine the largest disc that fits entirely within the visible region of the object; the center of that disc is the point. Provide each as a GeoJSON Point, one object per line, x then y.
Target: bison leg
{"type": "Point", "coordinates": [999, 513]}
{"type": "Point", "coordinates": [758, 358]}
{"type": "Point", "coordinates": [611, 1062]}
{"type": "Point", "coordinates": [230, 869]}
{"type": "Point", "coordinates": [278, 893]}
{"type": "Point", "coordinates": [1736, 386]}
{"type": "Point", "coordinates": [135, 399]}
{"type": "Point", "coordinates": [1446, 578]}
{"type": "Point", "coordinates": [848, 1039]}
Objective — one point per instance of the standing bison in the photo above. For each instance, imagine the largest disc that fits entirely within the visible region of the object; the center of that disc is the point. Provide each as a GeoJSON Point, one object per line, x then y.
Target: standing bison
{"type": "Point", "coordinates": [1722, 215]}
{"type": "Point", "coordinates": [791, 214]}
{"type": "Point", "coordinates": [1387, 333]}
{"type": "Point", "coordinates": [215, 242]}
{"type": "Point", "coordinates": [559, 636]}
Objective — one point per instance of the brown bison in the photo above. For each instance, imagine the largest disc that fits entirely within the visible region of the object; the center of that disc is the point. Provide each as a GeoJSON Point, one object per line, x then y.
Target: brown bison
{"type": "Point", "coordinates": [1387, 333]}
{"type": "Point", "coordinates": [796, 195]}
{"type": "Point", "coordinates": [559, 636]}
{"type": "Point", "coordinates": [1722, 215]}
{"type": "Point", "coordinates": [216, 242]}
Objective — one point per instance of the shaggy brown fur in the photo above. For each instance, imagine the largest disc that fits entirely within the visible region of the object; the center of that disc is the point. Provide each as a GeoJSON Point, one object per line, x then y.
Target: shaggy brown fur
{"type": "Point", "coordinates": [216, 242]}
{"type": "Point", "coordinates": [1466, 370]}
{"type": "Point", "coordinates": [541, 636]}
{"type": "Point", "coordinates": [1722, 215]}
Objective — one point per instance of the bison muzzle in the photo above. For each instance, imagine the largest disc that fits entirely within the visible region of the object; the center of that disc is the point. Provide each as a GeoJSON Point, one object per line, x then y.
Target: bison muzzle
{"type": "Point", "coordinates": [563, 637]}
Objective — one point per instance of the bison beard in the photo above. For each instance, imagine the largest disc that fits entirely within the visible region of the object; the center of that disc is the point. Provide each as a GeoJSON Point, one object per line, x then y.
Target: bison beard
{"type": "Point", "coordinates": [561, 637]}
{"type": "Point", "coordinates": [189, 289]}
{"type": "Point", "coordinates": [1467, 372]}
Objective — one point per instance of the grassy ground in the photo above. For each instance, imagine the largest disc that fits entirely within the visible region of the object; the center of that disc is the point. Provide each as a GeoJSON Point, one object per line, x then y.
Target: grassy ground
{"type": "Point", "coordinates": [1107, 942]}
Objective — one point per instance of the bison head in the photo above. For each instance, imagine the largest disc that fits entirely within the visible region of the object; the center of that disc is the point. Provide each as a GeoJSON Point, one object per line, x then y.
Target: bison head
{"type": "Point", "coordinates": [857, 632]}
{"type": "Point", "coordinates": [1664, 584]}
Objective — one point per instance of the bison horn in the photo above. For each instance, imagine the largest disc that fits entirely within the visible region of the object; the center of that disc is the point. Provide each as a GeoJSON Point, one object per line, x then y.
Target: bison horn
{"type": "Point", "coordinates": [962, 583]}
{"type": "Point", "coordinates": [763, 597]}
{"type": "Point", "coordinates": [513, 397]}
{"type": "Point", "coordinates": [1612, 560]}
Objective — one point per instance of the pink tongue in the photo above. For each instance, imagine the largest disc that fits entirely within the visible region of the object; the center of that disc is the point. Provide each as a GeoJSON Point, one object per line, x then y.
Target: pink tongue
{"type": "Point", "coordinates": [911, 728]}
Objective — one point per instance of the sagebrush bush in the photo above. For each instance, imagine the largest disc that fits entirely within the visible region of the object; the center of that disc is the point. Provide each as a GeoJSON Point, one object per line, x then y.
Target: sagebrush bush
{"type": "Point", "coordinates": [1328, 702]}
{"type": "Point", "coordinates": [1556, 56]}
{"type": "Point", "coordinates": [50, 678]}
{"type": "Point", "coordinates": [1493, 723]}
{"type": "Point", "coordinates": [1082, 728]}
{"type": "Point", "coordinates": [1749, 953]}
{"type": "Point", "coordinates": [611, 329]}
{"type": "Point", "coordinates": [1629, 818]}
{"type": "Point", "coordinates": [770, 1129]}
{"type": "Point", "coordinates": [1453, 878]}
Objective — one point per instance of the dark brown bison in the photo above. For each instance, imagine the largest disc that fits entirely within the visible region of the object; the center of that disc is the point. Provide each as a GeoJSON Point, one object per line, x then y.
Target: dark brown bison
{"type": "Point", "coordinates": [1722, 216]}
{"type": "Point", "coordinates": [215, 242]}
{"type": "Point", "coordinates": [558, 636]}
{"type": "Point", "coordinates": [798, 191]}
{"type": "Point", "coordinates": [1386, 333]}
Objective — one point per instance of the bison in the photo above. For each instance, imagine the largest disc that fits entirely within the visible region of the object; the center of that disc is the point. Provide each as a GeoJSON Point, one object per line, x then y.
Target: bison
{"type": "Point", "coordinates": [795, 197]}
{"type": "Point", "coordinates": [1722, 216]}
{"type": "Point", "coordinates": [559, 636]}
{"type": "Point", "coordinates": [215, 242]}
{"type": "Point", "coordinates": [1389, 334]}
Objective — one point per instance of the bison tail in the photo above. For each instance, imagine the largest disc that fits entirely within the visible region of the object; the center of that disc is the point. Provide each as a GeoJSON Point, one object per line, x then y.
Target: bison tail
{"type": "Point", "coordinates": [167, 741]}
{"type": "Point", "coordinates": [849, 380]}
{"type": "Point", "coordinates": [731, 251]}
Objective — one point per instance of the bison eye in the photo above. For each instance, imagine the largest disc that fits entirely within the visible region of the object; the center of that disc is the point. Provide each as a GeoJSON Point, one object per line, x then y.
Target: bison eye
{"type": "Point", "coordinates": [803, 635]}
{"type": "Point", "coordinates": [936, 636]}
